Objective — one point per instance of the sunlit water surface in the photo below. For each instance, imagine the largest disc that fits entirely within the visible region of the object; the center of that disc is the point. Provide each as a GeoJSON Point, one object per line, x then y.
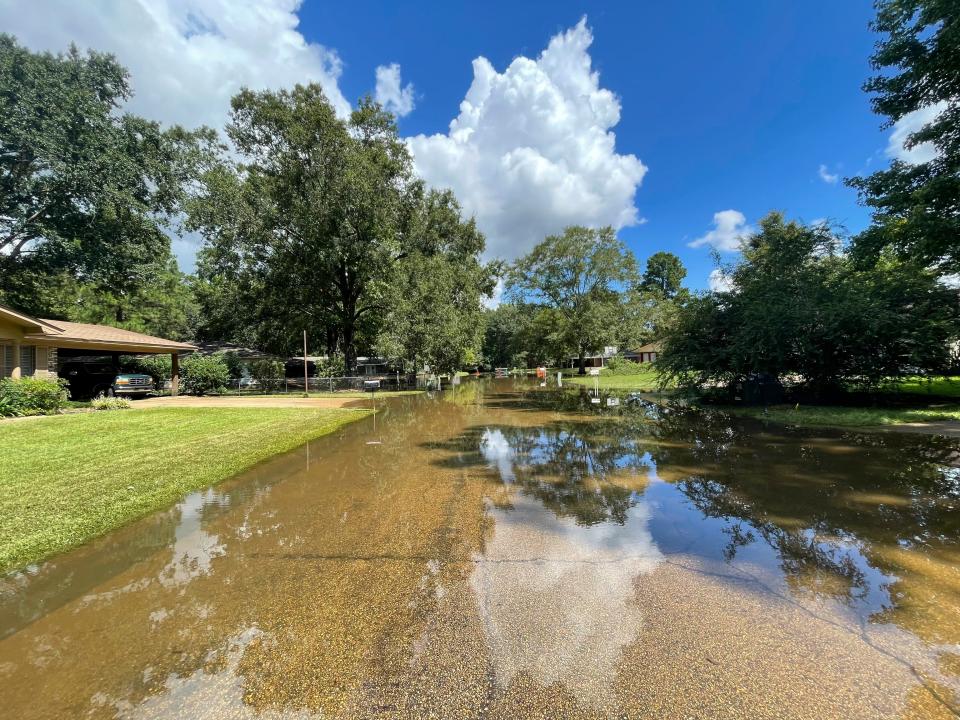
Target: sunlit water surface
{"type": "Point", "coordinates": [508, 551]}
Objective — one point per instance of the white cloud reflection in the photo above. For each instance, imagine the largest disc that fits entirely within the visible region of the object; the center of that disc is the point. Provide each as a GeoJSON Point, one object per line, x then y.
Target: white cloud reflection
{"type": "Point", "coordinates": [556, 599]}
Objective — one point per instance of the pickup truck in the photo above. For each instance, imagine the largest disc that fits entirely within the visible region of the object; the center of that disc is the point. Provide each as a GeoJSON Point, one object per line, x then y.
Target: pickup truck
{"type": "Point", "coordinates": [93, 379]}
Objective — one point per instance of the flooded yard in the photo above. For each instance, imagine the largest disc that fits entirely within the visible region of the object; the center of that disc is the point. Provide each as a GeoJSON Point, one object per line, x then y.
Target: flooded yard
{"type": "Point", "coordinates": [504, 551]}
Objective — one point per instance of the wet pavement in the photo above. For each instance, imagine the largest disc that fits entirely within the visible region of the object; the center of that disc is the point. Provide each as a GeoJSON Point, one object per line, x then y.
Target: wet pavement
{"type": "Point", "coordinates": [503, 551]}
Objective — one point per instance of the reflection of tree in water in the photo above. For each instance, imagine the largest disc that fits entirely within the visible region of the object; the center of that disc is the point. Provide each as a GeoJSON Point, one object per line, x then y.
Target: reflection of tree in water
{"type": "Point", "coordinates": [802, 555]}
{"type": "Point", "coordinates": [574, 469]}
{"type": "Point", "coordinates": [821, 499]}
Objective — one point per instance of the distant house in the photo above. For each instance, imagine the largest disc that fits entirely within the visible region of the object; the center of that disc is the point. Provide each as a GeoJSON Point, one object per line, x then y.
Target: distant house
{"type": "Point", "coordinates": [644, 353]}
{"type": "Point", "coordinates": [594, 359]}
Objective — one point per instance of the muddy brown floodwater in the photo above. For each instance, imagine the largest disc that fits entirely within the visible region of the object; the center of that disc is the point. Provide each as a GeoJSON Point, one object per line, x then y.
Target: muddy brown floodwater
{"type": "Point", "coordinates": [503, 551]}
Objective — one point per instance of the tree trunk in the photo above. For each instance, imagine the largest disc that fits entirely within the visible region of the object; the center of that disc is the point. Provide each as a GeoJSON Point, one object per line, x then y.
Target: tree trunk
{"type": "Point", "coordinates": [583, 369]}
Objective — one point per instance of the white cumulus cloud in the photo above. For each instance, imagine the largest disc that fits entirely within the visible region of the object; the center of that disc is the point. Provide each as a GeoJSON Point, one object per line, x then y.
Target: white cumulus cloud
{"type": "Point", "coordinates": [532, 149]}
{"type": "Point", "coordinates": [719, 281]}
{"type": "Point", "coordinates": [827, 176]}
{"type": "Point", "coordinates": [905, 127]}
{"type": "Point", "coordinates": [728, 228]}
{"type": "Point", "coordinates": [187, 58]}
{"type": "Point", "coordinates": [390, 93]}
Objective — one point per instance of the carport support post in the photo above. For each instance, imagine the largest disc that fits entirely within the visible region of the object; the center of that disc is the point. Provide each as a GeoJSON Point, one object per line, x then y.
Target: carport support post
{"type": "Point", "coordinates": [174, 374]}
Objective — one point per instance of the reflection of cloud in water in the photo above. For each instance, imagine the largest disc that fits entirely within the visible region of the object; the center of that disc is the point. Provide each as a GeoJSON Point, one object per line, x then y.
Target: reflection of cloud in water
{"type": "Point", "coordinates": [556, 598]}
{"type": "Point", "coordinates": [194, 548]}
{"type": "Point", "coordinates": [205, 693]}
{"type": "Point", "coordinates": [496, 450]}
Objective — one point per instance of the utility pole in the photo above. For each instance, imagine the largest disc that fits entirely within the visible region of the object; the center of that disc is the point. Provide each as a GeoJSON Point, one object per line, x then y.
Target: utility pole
{"type": "Point", "coordinates": [306, 381]}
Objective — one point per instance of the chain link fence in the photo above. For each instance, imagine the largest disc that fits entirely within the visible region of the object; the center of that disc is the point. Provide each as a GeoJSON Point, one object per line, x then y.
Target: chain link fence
{"type": "Point", "coordinates": [359, 383]}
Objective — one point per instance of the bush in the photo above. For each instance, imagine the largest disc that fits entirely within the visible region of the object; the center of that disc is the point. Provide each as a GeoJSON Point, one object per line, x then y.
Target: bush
{"type": "Point", "coordinates": [267, 373]}
{"type": "Point", "coordinates": [619, 365]}
{"type": "Point", "coordinates": [333, 366]}
{"type": "Point", "coordinates": [32, 396]}
{"type": "Point", "coordinates": [202, 374]}
{"type": "Point", "coordinates": [159, 367]}
{"type": "Point", "coordinates": [110, 403]}
{"type": "Point", "coordinates": [235, 365]}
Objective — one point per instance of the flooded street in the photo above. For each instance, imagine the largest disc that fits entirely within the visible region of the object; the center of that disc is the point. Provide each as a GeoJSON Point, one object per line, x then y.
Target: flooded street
{"type": "Point", "coordinates": [503, 551]}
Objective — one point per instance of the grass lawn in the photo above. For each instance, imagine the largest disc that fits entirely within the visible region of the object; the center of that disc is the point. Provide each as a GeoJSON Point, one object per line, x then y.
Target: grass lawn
{"type": "Point", "coordinates": [646, 380]}
{"type": "Point", "coordinates": [67, 479]}
{"type": "Point", "coordinates": [942, 386]}
{"type": "Point", "coordinates": [846, 416]}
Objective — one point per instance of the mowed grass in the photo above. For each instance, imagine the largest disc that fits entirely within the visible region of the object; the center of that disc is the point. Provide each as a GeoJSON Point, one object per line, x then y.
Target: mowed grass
{"type": "Point", "coordinates": [65, 480]}
{"type": "Point", "coordinates": [646, 380]}
{"type": "Point", "coordinates": [835, 416]}
{"type": "Point", "coordinates": [940, 386]}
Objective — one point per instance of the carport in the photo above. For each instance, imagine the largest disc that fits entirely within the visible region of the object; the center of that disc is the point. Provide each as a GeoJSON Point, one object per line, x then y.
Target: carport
{"type": "Point", "coordinates": [29, 346]}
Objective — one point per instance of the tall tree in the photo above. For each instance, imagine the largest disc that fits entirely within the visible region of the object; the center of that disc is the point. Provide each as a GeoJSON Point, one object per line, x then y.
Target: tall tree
{"type": "Point", "coordinates": [87, 192]}
{"type": "Point", "coordinates": [917, 206]}
{"type": "Point", "coordinates": [664, 274]}
{"type": "Point", "coordinates": [320, 226]}
{"type": "Point", "coordinates": [578, 274]}
{"type": "Point", "coordinates": [434, 313]}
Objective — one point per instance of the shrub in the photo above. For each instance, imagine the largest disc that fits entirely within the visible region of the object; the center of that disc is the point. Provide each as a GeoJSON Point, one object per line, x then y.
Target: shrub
{"type": "Point", "coordinates": [156, 366]}
{"type": "Point", "coordinates": [235, 366]}
{"type": "Point", "coordinates": [267, 373]}
{"type": "Point", "coordinates": [203, 374]}
{"type": "Point", "coordinates": [32, 396]}
{"type": "Point", "coordinates": [333, 366]}
{"type": "Point", "coordinates": [110, 403]}
{"type": "Point", "coordinates": [619, 365]}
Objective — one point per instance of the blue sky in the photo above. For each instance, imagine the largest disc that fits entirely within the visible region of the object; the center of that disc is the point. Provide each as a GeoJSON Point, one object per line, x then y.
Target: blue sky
{"type": "Point", "coordinates": [710, 107]}
{"type": "Point", "coordinates": [729, 105]}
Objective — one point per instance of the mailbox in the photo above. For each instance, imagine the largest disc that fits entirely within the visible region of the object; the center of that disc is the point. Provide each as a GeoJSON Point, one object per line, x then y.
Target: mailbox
{"type": "Point", "coordinates": [371, 385]}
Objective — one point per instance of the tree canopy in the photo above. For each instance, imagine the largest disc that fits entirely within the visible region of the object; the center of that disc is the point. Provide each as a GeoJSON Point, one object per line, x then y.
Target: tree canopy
{"type": "Point", "coordinates": [87, 191]}
{"type": "Point", "coordinates": [323, 226]}
{"type": "Point", "coordinates": [578, 276]}
{"type": "Point", "coordinates": [664, 274]}
{"type": "Point", "coordinates": [800, 307]}
{"type": "Point", "coordinates": [917, 206]}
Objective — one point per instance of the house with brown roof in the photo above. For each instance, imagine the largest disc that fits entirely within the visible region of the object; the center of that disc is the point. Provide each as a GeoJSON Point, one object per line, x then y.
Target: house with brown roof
{"type": "Point", "coordinates": [30, 346]}
{"type": "Point", "coordinates": [644, 353]}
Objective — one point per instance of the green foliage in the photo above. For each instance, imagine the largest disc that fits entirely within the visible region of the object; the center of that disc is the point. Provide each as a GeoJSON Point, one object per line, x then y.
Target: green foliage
{"type": "Point", "coordinates": [202, 374]}
{"type": "Point", "coordinates": [577, 275]}
{"type": "Point", "coordinates": [619, 365]}
{"type": "Point", "coordinates": [664, 274]}
{"type": "Point", "coordinates": [917, 206]}
{"type": "Point", "coordinates": [329, 203]}
{"type": "Point", "coordinates": [333, 366]}
{"type": "Point", "coordinates": [86, 192]}
{"type": "Point", "coordinates": [32, 396]}
{"type": "Point", "coordinates": [110, 403]}
{"type": "Point", "coordinates": [268, 374]}
{"type": "Point", "coordinates": [435, 310]}
{"type": "Point", "coordinates": [159, 367]}
{"type": "Point", "coordinates": [235, 366]}
{"type": "Point", "coordinates": [801, 308]}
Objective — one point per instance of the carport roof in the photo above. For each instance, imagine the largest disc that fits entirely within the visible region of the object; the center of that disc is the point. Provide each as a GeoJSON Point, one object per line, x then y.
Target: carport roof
{"type": "Point", "coordinates": [85, 336]}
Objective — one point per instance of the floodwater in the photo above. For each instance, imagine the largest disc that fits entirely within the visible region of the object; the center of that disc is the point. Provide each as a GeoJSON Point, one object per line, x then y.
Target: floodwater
{"type": "Point", "coordinates": [503, 551]}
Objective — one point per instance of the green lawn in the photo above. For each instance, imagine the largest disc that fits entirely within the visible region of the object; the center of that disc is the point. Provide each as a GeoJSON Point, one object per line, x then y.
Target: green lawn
{"type": "Point", "coordinates": [942, 386]}
{"type": "Point", "coordinates": [646, 380]}
{"type": "Point", "coordinates": [846, 416]}
{"type": "Point", "coordinates": [67, 479]}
